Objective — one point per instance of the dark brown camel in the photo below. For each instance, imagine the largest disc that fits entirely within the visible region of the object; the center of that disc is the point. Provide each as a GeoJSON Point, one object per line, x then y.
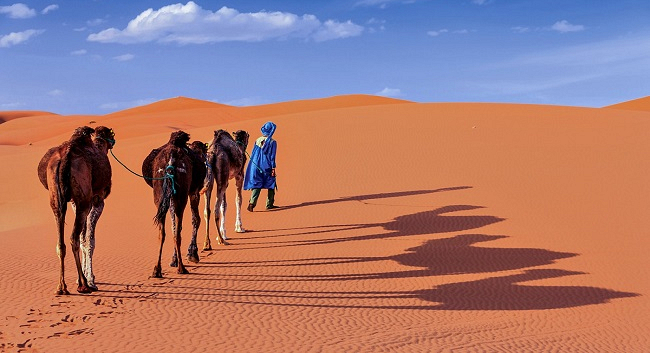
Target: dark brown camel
{"type": "Point", "coordinates": [170, 170]}
{"type": "Point", "coordinates": [226, 160]}
{"type": "Point", "coordinates": [78, 170]}
{"type": "Point", "coordinates": [198, 152]}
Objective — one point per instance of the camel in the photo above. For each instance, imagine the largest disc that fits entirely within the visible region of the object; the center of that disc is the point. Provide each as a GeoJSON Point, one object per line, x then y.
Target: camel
{"type": "Point", "coordinates": [78, 171]}
{"type": "Point", "coordinates": [174, 172]}
{"type": "Point", "coordinates": [198, 151]}
{"type": "Point", "coordinates": [226, 160]}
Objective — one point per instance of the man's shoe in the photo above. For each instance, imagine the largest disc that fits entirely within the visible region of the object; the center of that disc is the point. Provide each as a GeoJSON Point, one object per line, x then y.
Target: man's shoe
{"type": "Point", "coordinates": [250, 207]}
{"type": "Point", "coordinates": [272, 207]}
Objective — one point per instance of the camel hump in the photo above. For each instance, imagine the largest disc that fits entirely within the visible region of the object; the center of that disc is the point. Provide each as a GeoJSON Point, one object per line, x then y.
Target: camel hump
{"type": "Point", "coordinates": [147, 166]}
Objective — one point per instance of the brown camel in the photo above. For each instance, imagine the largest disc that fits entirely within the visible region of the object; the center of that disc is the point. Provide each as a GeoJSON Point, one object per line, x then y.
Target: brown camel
{"type": "Point", "coordinates": [226, 160]}
{"type": "Point", "coordinates": [169, 169]}
{"type": "Point", "coordinates": [198, 152]}
{"type": "Point", "coordinates": [78, 170]}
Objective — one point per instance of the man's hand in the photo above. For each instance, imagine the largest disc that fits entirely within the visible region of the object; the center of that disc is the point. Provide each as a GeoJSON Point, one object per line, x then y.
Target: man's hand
{"type": "Point", "coordinates": [273, 172]}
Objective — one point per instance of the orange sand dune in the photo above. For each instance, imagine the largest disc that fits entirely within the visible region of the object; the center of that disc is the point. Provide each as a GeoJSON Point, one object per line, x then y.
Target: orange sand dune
{"type": "Point", "coordinates": [406, 227]}
{"type": "Point", "coordinates": [301, 106]}
{"type": "Point", "coordinates": [642, 104]}
{"type": "Point", "coordinates": [167, 105]}
{"type": "Point", "coordinates": [15, 114]}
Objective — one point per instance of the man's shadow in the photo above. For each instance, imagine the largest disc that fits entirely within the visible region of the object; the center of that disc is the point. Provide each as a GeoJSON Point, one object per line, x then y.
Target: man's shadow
{"type": "Point", "coordinates": [369, 197]}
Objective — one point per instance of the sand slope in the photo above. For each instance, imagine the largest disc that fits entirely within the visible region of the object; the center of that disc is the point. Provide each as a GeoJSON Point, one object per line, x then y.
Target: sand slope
{"type": "Point", "coordinates": [406, 227]}
{"type": "Point", "coordinates": [642, 104]}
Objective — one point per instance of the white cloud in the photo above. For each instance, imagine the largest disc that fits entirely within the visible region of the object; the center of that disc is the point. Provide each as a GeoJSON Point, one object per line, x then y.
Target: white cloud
{"type": "Point", "coordinates": [437, 33]}
{"type": "Point", "coordinates": [549, 70]}
{"type": "Point", "coordinates": [18, 10]}
{"type": "Point", "coordinates": [442, 31]}
{"type": "Point", "coordinates": [80, 29]}
{"type": "Point", "coordinates": [520, 29]}
{"type": "Point", "coordinates": [481, 2]}
{"type": "Point", "coordinates": [383, 3]}
{"type": "Point", "coordinates": [55, 93]}
{"type": "Point", "coordinates": [125, 57]}
{"type": "Point", "coordinates": [79, 52]}
{"type": "Point", "coordinates": [390, 92]}
{"type": "Point", "coordinates": [50, 8]}
{"type": "Point", "coordinates": [13, 105]}
{"type": "Point", "coordinates": [335, 30]}
{"type": "Point", "coordinates": [564, 27]}
{"type": "Point", "coordinates": [191, 24]}
{"type": "Point", "coordinates": [375, 25]}
{"type": "Point", "coordinates": [96, 22]}
{"type": "Point", "coordinates": [18, 37]}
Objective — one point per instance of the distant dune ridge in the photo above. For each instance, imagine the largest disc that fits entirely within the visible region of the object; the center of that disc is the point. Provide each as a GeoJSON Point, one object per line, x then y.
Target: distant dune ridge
{"type": "Point", "coordinates": [642, 104]}
{"type": "Point", "coordinates": [405, 227]}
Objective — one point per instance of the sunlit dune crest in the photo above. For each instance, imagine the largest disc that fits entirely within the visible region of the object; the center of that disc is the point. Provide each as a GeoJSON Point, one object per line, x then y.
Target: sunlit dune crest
{"type": "Point", "coordinates": [642, 104]}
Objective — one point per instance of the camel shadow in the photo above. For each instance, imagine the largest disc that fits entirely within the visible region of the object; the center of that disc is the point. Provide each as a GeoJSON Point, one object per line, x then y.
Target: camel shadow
{"type": "Point", "coordinates": [458, 255]}
{"type": "Point", "coordinates": [455, 254]}
{"type": "Point", "coordinates": [426, 222]}
{"type": "Point", "coordinates": [504, 293]}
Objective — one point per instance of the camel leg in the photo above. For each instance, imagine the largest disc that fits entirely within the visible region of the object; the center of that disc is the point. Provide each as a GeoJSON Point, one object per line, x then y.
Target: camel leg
{"type": "Point", "coordinates": [219, 212]}
{"type": "Point", "coordinates": [82, 236]}
{"type": "Point", "coordinates": [79, 222]}
{"type": "Point", "coordinates": [88, 242]}
{"type": "Point", "coordinates": [157, 270]}
{"type": "Point", "coordinates": [239, 182]}
{"type": "Point", "coordinates": [206, 215]}
{"type": "Point", "coordinates": [60, 245]}
{"type": "Point", "coordinates": [192, 249]}
{"type": "Point", "coordinates": [176, 213]}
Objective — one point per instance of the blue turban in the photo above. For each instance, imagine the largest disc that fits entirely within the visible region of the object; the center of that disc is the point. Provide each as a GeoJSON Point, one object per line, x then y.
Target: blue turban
{"type": "Point", "coordinates": [268, 129]}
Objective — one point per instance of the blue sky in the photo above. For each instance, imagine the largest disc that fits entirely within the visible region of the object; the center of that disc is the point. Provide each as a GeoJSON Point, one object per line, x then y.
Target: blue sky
{"type": "Point", "coordinates": [96, 57]}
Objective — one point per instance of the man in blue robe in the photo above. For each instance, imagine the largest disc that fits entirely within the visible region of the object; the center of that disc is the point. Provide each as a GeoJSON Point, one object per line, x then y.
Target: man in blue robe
{"type": "Point", "coordinates": [260, 173]}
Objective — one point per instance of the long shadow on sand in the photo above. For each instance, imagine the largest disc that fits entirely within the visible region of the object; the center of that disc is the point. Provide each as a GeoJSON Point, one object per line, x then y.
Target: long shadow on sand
{"type": "Point", "coordinates": [421, 223]}
{"type": "Point", "coordinates": [366, 198]}
{"type": "Point", "coordinates": [454, 255]}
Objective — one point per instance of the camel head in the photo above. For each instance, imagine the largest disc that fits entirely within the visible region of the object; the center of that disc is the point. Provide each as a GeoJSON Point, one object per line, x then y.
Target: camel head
{"type": "Point", "coordinates": [241, 137]}
{"type": "Point", "coordinates": [199, 147]}
{"type": "Point", "coordinates": [83, 132]}
{"type": "Point", "coordinates": [179, 138]}
{"type": "Point", "coordinates": [106, 134]}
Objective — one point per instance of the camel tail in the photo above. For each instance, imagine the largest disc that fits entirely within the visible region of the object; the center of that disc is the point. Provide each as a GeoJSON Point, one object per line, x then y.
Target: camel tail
{"type": "Point", "coordinates": [60, 190]}
{"type": "Point", "coordinates": [209, 175]}
{"type": "Point", "coordinates": [164, 202]}
{"type": "Point", "coordinates": [63, 174]}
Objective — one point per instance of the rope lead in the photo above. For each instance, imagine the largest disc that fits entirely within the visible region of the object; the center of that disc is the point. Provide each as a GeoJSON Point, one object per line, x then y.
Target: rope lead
{"type": "Point", "coordinates": [168, 172]}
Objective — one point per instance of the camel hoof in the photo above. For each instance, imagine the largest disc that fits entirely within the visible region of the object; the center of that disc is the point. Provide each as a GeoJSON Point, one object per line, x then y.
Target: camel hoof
{"type": "Point", "coordinates": [157, 272]}
{"type": "Point", "coordinates": [62, 292]}
{"type": "Point", "coordinates": [84, 289]}
{"type": "Point", "coordinates": [193, 258]}
{"type": "Point", "coordinates": [174, 263]}
{"type": "Point", "coordinates": [183, 271]}
{"type": "Point", "coordinates": [207, 248]}
{"type": "Point", "coordinates": [240, 230]}
{"type": "Point", "coordinates": [93, 287]}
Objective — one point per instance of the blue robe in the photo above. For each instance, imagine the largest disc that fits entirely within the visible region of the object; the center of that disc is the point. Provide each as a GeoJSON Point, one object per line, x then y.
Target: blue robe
{"type": "Point", "coordinates": [258, 172]}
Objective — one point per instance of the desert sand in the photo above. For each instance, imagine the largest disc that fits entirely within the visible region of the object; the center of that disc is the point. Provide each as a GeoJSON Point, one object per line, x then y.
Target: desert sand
{"type": "Point", "coordinates": [405, 227]}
